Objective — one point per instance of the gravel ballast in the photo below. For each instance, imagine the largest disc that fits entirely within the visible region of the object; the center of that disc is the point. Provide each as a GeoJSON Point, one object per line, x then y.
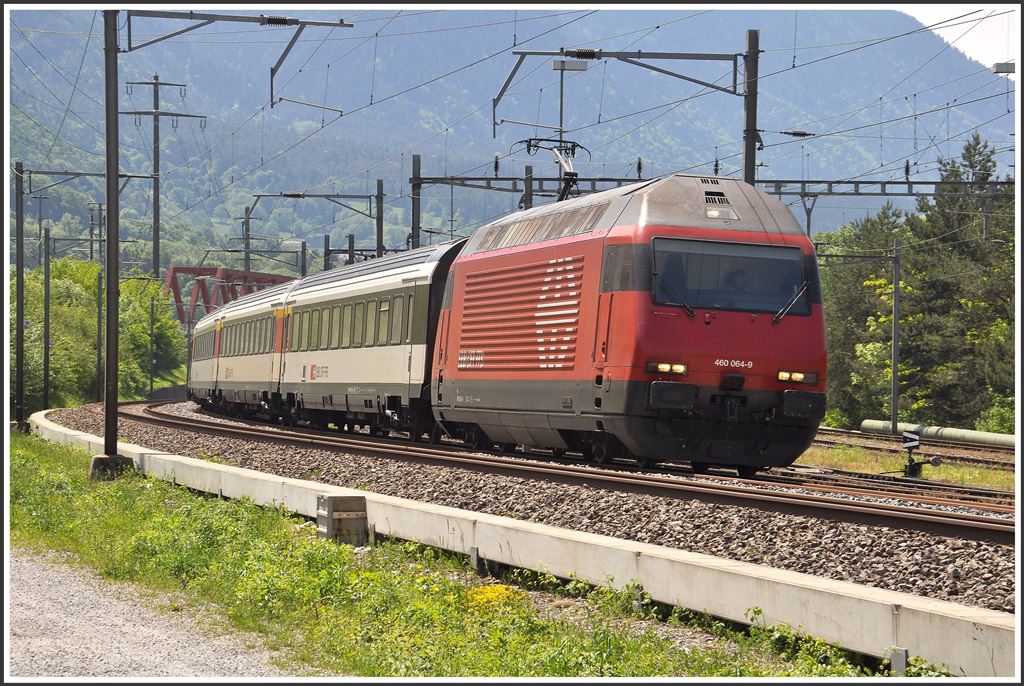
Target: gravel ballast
{"type": "Point", "coordinates": [67, 622]}
{"type": "Point", "coordinates": [967, 572]}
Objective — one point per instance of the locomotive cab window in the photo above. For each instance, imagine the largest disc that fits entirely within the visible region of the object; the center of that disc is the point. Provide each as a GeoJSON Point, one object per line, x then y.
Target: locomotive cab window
{"type": "Point", "coordinates": [728, 276]}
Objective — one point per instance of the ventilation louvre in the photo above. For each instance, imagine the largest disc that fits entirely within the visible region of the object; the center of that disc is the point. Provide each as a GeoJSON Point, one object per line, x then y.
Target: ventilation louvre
{"type": "Point", "coordinates": [710, 182]}
{"type": "Point", "coordinates": [715, 198]}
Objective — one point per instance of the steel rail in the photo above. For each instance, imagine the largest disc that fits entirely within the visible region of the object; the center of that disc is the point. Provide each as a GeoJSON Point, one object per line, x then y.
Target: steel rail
{"type": "Point", "coordinates": [958, 525]}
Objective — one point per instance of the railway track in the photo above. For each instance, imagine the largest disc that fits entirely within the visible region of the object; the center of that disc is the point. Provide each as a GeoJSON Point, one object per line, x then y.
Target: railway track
{"type": "Point", "coordinates": [953, 451]}
{"type": "Point", "coordinates": [711, 488]}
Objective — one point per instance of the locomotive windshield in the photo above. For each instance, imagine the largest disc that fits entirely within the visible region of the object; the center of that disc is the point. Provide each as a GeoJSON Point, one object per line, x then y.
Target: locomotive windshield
{"type": "Point", "coordinates": [729, 276]}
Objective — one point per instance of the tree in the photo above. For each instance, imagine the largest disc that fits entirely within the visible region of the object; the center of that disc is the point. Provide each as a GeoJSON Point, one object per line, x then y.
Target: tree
{"type": "Point", "coordinates": [957, 315]}
{"type": "Point", "coordinates": [73, 375]}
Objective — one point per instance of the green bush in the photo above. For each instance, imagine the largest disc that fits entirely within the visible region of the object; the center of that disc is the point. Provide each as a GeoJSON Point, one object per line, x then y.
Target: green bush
{"type": "Point", "coordinates": [1000, 417]}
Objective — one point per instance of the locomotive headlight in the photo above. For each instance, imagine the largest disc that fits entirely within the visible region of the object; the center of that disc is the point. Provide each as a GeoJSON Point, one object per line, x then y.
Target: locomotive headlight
{"type": "Point", "coordinates": [666, 367]}
{"type": "Point", "coordinates": [799, 377]}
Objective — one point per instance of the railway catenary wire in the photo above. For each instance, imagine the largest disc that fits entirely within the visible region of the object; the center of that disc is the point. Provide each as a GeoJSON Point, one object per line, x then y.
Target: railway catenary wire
{"type": "Point", "coordinates": [945, 523]}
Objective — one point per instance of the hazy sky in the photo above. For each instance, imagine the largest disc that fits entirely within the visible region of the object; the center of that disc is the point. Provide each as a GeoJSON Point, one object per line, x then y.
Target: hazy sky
{"type": "Point", "coordinates": [994, 40]}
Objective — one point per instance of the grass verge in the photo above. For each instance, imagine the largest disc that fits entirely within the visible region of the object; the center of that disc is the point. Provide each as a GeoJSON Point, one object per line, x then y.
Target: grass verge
{"type": "Point", "coordinates": [874, 462]}
{"type": "Point", "coordinates": [396, 609]}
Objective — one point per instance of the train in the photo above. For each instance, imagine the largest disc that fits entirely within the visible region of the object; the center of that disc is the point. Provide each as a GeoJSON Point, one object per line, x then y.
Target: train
{"type": "Point", "coordinates": [677, 319]}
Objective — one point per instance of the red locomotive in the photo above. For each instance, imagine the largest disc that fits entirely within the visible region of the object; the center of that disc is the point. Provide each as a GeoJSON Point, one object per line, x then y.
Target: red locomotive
{"type": "Point", "coordinates": [676, 319]}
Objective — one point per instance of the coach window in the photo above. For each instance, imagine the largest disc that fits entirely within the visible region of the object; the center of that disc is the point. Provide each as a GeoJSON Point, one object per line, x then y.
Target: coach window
{"type": "Point", "coordinates": [335, 327]}
{"type": "Point", "coordinates": [314, 329]}
{"type": "Point", "coordinates": [248, 338]}
{"type": "Point", "coordinates": [261, 339]}
{"type": "Point", "coordinates": [293, 337]}
{"type": "Point", "coordinates": [412, 315]}
{"type": "Point", "coordinates": [357, 328]}
{"type": "Point", "coordinates": [325, 329]}
{"type": "Point", "coordinates": [303, 330]}
{"type": "Point", "coordinates": [322, 321]}
{"type": "Point", "coordinates": [385, 320]}
{"type": "Point", "coordinates": [396, 319]}
{"type": "Point", "coordinates": [371, 322]}
{"type": "Point", "coordinates": [346, 326]}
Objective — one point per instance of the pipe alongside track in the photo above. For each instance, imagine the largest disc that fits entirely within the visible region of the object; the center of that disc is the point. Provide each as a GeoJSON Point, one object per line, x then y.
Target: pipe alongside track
{"type": "Point", "coordinates": [988, 438]}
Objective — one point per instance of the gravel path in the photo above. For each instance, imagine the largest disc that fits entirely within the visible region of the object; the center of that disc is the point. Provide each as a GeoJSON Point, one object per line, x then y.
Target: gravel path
{"type": "Point", "coordinates": [67, 622]}
{"type": "Point", "coordinates": [966, 572]}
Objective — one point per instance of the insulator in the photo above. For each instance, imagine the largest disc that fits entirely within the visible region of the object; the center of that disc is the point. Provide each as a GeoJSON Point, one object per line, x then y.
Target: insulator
{"type": "Point", "coordinates": [583, 53]}
{"type": "Point", "coordinates": [276, 21]}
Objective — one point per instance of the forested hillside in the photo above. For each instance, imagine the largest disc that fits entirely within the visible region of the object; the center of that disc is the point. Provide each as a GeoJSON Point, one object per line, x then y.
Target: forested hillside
{"type": "Point", "coordinates": [431, 75]}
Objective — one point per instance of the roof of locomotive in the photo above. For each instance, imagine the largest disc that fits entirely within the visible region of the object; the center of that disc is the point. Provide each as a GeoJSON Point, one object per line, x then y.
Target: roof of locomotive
{"type": "Point", "coordinates": [675, 200]}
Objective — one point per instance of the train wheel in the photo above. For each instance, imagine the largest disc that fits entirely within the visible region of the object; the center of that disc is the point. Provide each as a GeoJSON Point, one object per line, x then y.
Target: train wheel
{"type": "Point", "coordinates": [477, 439]}
{"type": "Point", "coordinates": [599, 453]}
{"type": "Point", "coordinates": [508, 447]}
{"type": "Point", "coordinates": [747, 471]}
{"type": "Point", "coordinates": [699, 467]}
{"type": "Point", "coordinates": [644, 461]}
{"type": "Point", "coordinates": [435, 434]}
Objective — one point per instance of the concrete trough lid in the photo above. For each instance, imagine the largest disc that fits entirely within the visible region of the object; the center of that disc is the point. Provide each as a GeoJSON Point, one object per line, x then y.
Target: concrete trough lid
{"type": "Point", "coordinates": [972, 641]}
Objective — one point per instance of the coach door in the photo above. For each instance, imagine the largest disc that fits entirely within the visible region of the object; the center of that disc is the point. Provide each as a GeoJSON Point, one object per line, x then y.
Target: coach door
{"type": "Point", "coordinates": [282, 326]}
